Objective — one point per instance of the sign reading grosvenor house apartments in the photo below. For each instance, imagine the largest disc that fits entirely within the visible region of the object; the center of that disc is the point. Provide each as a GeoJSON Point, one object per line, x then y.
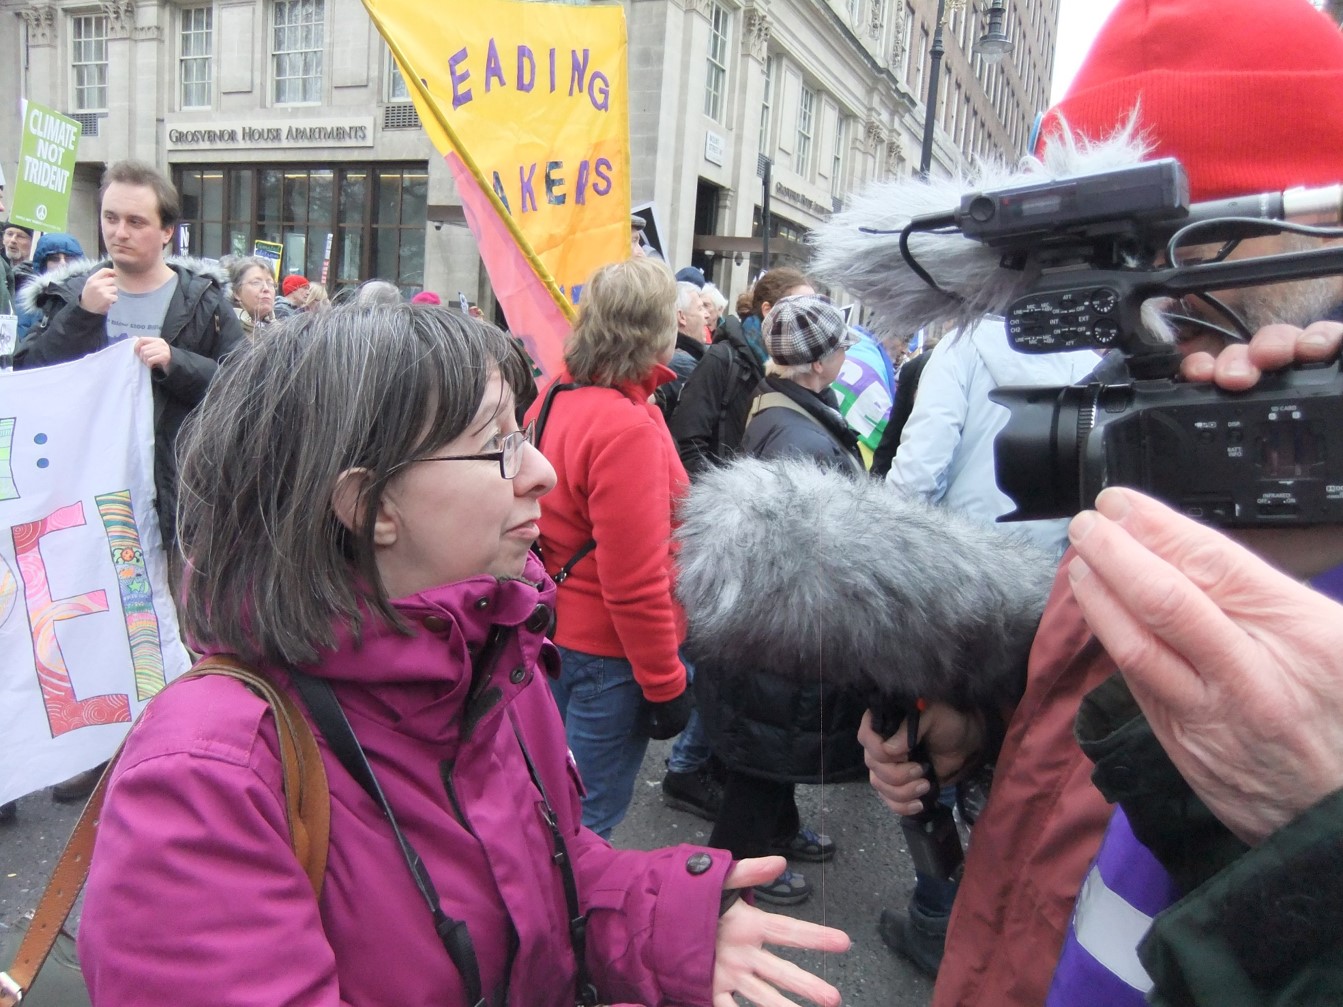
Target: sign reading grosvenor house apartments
{"type": "Point", "coordinates": [356, 131]}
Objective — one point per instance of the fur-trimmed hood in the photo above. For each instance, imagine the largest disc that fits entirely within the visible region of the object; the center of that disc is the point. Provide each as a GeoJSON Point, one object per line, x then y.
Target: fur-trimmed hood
{"type": "Point", "coordinates": [68, 278]}
{"type": "Point", "coordinates": [870, 264]}
{"type": "Point", "coordinates": [789, 567]}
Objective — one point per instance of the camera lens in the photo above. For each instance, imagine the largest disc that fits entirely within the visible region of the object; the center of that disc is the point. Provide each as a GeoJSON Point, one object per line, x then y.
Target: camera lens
{"type": "Point", "coordinates": [1038, 454]}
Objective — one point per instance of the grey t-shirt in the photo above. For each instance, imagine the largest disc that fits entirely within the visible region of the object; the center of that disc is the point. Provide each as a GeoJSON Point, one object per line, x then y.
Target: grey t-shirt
{"type": "Point", "coordinates": [139, 315]}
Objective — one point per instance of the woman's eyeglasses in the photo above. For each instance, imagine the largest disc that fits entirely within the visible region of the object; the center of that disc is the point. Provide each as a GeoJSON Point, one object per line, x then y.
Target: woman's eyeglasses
{"type": "Point", "coordinates": [509, 455]}
{"type": "Point", "coordinates": [259, 284]}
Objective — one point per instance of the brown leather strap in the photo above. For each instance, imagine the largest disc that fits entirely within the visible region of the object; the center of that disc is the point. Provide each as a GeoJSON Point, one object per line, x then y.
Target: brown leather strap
{"type": "Point", "coordinates": [307, 807]}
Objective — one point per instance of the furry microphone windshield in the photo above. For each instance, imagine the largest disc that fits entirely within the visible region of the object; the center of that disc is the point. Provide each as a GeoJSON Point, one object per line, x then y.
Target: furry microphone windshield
{"type": "Point", "coordinates": [859, 248]}
{"type": "Point", "coordinates": [793, 569]}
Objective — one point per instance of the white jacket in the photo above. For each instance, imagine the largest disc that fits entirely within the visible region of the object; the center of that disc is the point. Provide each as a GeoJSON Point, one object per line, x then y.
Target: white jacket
{"type": "Point", "coordinates": [946, 449]}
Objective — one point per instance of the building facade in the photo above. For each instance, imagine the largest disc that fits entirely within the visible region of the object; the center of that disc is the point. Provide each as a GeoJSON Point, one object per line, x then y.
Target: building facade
{"type": "Point", "coordinates": [285, 122]}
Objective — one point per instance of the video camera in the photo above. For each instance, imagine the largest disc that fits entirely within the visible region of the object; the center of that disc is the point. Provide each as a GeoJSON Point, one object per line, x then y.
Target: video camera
{"type": "Point", "coordinates": [1092, 251]}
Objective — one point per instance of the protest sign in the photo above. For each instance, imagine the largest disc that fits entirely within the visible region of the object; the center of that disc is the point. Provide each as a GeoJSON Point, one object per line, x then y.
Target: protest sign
{"type": "Point", "coordinates": [47, 152]}
{"type": "Point", "coordinates": [272, 252]}
{"type": "Point", "coordinates": [88, 630]}
{"type": "Point", "coordinates": [528, 103]}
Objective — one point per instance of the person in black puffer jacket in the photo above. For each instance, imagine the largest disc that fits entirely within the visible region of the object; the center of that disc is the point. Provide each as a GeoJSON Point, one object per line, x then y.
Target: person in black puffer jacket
{"type": "Point", "coordinates": [770, 732]}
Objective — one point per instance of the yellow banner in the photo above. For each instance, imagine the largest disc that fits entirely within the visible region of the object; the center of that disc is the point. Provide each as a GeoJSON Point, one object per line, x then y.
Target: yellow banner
{"type": "Point", "coordinates": [534, 98]}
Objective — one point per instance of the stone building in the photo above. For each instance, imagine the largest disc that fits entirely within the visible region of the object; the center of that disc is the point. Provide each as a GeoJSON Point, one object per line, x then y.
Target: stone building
{"type": "Point", "coordinates": [285, 121]}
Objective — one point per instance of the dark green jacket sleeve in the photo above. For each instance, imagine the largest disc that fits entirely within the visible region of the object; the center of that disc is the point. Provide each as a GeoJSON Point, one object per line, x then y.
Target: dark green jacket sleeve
{"type": "Point", "coordinates": [1266, 931]}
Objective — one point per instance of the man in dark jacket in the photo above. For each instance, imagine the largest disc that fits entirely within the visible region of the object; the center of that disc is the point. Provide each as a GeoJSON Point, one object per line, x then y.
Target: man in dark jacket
{"type": "Point", "coordinates": [177, 311]}
{"type": "Point", "coordinates": [710, 418]}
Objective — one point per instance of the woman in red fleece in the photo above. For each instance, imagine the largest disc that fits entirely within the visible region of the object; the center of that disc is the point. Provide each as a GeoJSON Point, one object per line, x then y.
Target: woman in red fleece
{"type": "Point", "coordinates": [618, 474]}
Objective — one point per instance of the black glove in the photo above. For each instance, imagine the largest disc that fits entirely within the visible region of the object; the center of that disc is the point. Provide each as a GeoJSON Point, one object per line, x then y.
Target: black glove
{"type": "Point", "coordinates": [661, 721]}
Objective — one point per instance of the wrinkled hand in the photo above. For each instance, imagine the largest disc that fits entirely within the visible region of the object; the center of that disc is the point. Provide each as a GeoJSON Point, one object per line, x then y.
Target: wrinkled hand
{"type": "Point", "coordinates": [154, 352]}
{"type": "Point", "coordinates": [953, 739]}
{"type": "Point", "coordinates": [741, 963]}
{"type": "Point", "coordinates": [1240, 365]}
{"type": "Point", "coordinates": [1238, 668]}
{"type": "Point", "coordinates": [100, 292]}
{"type": "Point", "coordinates": [661, 721]}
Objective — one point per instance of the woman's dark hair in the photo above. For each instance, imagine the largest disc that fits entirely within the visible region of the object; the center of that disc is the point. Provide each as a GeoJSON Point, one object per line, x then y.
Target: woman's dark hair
{"type": "Point", "coordinates": [270, 569]}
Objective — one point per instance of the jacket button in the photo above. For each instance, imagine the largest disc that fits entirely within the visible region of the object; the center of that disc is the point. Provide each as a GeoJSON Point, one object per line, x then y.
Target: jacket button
{"type": "Point", "coordinates": [540, 621]}
{"type": "Point", "coordinates": [698, 863]}
{"type": "Point", "coordinates": [482, 603]}
{"type": "Point", "coordinates": [435, 624]}
{"type": "Point", "coordinates": [517, 675]}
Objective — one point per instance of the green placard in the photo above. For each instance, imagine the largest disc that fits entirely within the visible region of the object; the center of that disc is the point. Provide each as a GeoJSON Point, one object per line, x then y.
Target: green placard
{"type": "Point", "coordinates": [46, 173]}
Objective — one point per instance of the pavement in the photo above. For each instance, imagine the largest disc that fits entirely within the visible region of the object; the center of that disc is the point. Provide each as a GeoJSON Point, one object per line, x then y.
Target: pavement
{"type": "Point", "coordinates": [871, 870]}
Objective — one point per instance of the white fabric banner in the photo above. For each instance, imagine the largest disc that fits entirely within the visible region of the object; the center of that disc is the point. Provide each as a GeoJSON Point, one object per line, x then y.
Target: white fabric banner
{"type": "Point", "coordinates": [88, 630]}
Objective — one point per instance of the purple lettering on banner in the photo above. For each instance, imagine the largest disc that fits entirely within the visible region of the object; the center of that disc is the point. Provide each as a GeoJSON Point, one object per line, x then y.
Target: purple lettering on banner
{"type": "Point", "coordinates": [526, 68]}
{"type": "Point", "coordinates": [554, 183]}
{"type": "Point", "coordinates": [577, 293]}
{"type": "Point", "coordinates": [493, 69]}
{"type": "Point", "coordinates": [459, 96]}
{"type": "Point", "coordinates": [499, 191]}
{"type": "Point", "coordinates": [526, 179]}
{"type": "Point", "coordinates": [603, 176]}
{"type": "Point", "coordinates": [577, 71]}
{"type": "Point", "coordinates": [552, 71]}
{"type": "Point", "coordinates": [581, 186]}
{"type": "Point", "coordinates": [599, 91]}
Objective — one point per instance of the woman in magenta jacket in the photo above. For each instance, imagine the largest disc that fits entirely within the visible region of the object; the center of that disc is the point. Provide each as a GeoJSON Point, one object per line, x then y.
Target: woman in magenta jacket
{"type": "Point", "coordinates": [357, 505]}
{"type": "Point", "coordinates": [617, 478]}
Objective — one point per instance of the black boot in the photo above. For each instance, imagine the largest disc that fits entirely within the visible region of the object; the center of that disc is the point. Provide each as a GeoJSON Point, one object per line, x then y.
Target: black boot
{"type": "Point", "coordinates": [916, 937]}
{"type": "Point", "coordinates": [78, 786]}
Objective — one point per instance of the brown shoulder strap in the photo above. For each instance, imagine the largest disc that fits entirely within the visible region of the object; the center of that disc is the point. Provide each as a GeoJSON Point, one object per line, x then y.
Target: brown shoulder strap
{"type": "Point", "coordinates": [307, 807]}
{"type": "Point", "coordinates": [307, 797]}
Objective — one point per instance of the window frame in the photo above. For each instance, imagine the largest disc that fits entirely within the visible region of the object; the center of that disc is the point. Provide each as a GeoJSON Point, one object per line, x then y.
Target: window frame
{"type": "Point", "coordinates": [806, 112]}
{"type": "Point", "coordinates": [389, 83]}
{"type": "Point", "coordinates": [318, 51]}
{"type": "Point", "coordinates": [78, 89]}
{"type": "Point", "coordinates": [206, 58]}
{"type": "Point", "coordinates": [716, 61]}
{"type": "Point", "coordinates": [837, 161]}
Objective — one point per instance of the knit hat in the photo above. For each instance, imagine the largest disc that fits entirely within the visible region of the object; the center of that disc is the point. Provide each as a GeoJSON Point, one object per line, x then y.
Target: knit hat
{"type": "Point", "coordinates": [804, 328]}
{"type": "Point", "coordinates": [291, 283]}
{"type": "Point", "coordinates": [426, 297]}
{"type": "Point", "coordinates": [691, 274]}
{"type": "Point", "coordinates": [1247, 94]}
{"type": "Point", "coordinates": [22, 227]}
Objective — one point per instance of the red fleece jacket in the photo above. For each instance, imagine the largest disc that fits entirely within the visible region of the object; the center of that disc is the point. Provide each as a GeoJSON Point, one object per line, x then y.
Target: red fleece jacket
{"type": "Point", "coordinates": [618, 478]}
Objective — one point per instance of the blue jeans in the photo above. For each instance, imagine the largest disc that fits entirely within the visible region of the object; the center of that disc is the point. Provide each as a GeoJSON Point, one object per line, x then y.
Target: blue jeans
{"type": "Point", "coordinates": [599, 702]}
{"type": "Point", "coordinates": [690, 751]}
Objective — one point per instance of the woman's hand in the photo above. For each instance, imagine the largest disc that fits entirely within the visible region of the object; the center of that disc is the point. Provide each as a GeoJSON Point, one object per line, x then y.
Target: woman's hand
{"type": "Point", "coordinates": [741, 963]}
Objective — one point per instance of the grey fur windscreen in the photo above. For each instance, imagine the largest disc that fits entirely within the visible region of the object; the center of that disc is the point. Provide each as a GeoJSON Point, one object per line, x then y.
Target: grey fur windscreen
{"type": "Point", "coordinates": [792, 568]}
{"type": "Point", "coordinates": [859, 247]}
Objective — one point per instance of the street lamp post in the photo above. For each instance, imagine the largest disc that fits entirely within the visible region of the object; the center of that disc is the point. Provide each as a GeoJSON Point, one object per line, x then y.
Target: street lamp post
{"type": "Point", "coordinates": [993, 45]}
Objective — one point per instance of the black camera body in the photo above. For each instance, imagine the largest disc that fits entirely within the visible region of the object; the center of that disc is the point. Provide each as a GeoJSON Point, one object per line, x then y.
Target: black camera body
{"type": "Point", "coordinates": [1098, 247]}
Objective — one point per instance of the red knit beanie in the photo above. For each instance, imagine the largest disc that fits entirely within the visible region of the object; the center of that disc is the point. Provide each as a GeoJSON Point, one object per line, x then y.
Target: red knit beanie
{"type": "Point", "coordinates": [1247, 94]}
{"type": "Point", "coordinates": [291, 283]}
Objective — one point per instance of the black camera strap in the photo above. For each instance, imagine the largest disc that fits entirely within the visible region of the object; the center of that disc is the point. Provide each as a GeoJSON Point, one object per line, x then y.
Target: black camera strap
{"type": "Point", "coordinates": [562, 574]}
{"type": "Point", "coordinates": [578, 921]}
{"type": "Point", "coordinates": [321, 701]}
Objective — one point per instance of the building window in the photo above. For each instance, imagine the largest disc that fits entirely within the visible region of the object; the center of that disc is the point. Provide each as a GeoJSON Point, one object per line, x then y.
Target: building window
{"type": "Point", "coordinates": [715, 82]}
{"type": "Point", "coordinates": [765, 102]}
{"type": "Point", "coordinates": [88, 57]}
{"type": "Point", "coordinates": [837, 165]}
{"type": "Point", "coordinates": [340, 223]}
{"type": "Point", "coordinates": [396, 84]}
{"type": "Point", "coordinates": [806, 108]}
{"type": "Point", "coordinates": [297, 51]}
{"type": "Point", "coordinates": [195, 58]}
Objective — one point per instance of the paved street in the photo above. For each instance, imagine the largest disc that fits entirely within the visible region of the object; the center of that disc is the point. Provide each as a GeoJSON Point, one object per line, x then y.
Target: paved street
{"type": "Point", "coordinates": [869, 871]}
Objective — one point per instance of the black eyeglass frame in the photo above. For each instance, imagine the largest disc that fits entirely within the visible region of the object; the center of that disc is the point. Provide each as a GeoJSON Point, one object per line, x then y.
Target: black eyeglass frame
{"type": "Point", "coordinates": [527, 435]}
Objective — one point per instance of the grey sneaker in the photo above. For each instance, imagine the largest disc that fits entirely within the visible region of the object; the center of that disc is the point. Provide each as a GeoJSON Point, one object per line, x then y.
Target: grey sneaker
{"type": "Point", "coordinates": [788, 889]}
